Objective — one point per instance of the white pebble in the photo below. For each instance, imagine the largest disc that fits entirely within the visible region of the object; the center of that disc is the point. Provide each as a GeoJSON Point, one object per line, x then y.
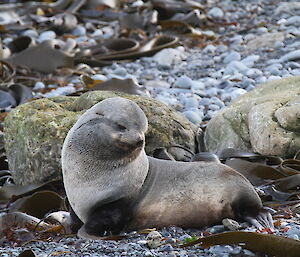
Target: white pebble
{"type": "Point", "coordinates": [214, 107]}
{"type": "Point", "coordinates": [291, 56]}
{"type": "Point", "coordinates": [216, 13]}
{"type": "Point", "coordinates": [233, 56]}
{"type": "Point", "coordinates": [193, 117]}
{"type": "Point", "coordinates": [250, 60]}
{"type": "Point", "coordinates": [47, 35]}
{"type": "Point", "coordinates": [254, 73]}
{"type": "Point", "coordinates": [168, 56]}
{"type": "Point", "coordinates": [183, 82]}
{"type": "Point", "coordinates": [295, 72]}
{"type": "Point", "coordinates": [293, 21]}
{"type": "Point", "coordinates": [39, 85]}
{"type": "Point", "coordinates": [235, 67]}
{"type": "Point", "coordinates": [209, 49]}
{"type": "Point", "coordinates": [108, 32]}
{"type": "Point", "coordinates": [237, 92]}
{"type": "Point", "coordinates": [79, 31]}
{"type": "Point", "coordinates": [273, 78]}
{"type": "Point", "coordinates": [30, 33]}
{"type": "Point", "coordinates": [99, 77]}
{"type": "Point", "coordinates": [262, 30]}
{"type": "Point", "coordinates": [97, 33]}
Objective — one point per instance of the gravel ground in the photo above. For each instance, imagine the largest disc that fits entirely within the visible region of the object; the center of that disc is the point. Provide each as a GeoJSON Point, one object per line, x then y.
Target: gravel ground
{"type": "Point", "coordinates": [264, 45]}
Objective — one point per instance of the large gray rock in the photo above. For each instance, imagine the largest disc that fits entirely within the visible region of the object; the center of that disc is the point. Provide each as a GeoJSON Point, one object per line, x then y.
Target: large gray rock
{"type": "Point", "coordinates": [265, 120]}
{"type": "Point", "coordinates": [35, 131]}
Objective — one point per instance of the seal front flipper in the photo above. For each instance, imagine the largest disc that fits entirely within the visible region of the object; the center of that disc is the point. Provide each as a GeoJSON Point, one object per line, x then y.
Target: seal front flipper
{"type": "Point", "coordinates": [106, 220]}
{"type": "Point", "coordinates": [248, 207]}
{"type": "Point", "coordinates": [262, 220]}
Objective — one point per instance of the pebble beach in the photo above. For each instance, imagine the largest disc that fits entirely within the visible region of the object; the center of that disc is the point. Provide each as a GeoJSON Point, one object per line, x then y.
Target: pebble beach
{"type": "Point", "coordinates": [259, 44]}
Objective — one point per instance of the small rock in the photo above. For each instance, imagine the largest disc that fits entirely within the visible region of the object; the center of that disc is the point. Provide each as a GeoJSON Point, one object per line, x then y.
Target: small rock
{"type": "Point", "coordinates": [233, 56]}
{"type": "Point", "coordinates": [250, 60]}
{"type": "Point", "coordinates": [236, 67]}
{"type": "Point", "coordinates": [293, 231]}
{"type": "Point", "coordinates": [216, 13]}
{"type": "Point", "coordinates": [214, 107]}
{"type": "Point", "coordinates": [46, 35]}
{"type": "Point", "coordinates": [183, 82]}
{"type": "Point", "coordinates": [30, 33]}
{"type": "Point", "coordinates": [209, 49]}
{"type": "Point", "coordinates": [191, 102]}
{"type": "Point", "coordinates": [142, 242]}
{"type": "Point", "coordinates": [291, 56]}
{"type": "Point", "coordinates": [193, 117]}
{"type": "Point", "coordinates": [39, 85]}
{"type": "Point", "coordinates": [293, 21]}
{"type": "Point", "coordinates": [204, 101]}
{"type": "Point", "coordinates": [254, 73]}
{"type": "Point", "coordinates": [197, 85]}
{"type": "Point", "coordinates": [120, 71]}
{"type": "Point", "coordinates": [154, 239]}
{"type": "Point", "coordinates": [212, 91]}
{"type": "Point", "coordinates": [99, 77]}
{"type": "Point", "coordinates": [296, 208]}
{"type": "Point", "coordinates": [79, 31]}
{"type": "Point", "coordinates": [220, 249]}
{"type": "Point", "coordinates": [231, 224]}
{"type": "Point", "coordinates": [184, 237]}
{"type": "Point", "coordinates": [237, 92]}
{"type": "Point", "coordinates": [295, 72]}
{"type": "Point", "coordinates": [217, 229]}
{"type": "Point", "coordinates": [166, 248]}
{"type": "Point", "coordinates": [168, 56]}
{"type": "Point", "coordinates": [262, 30]}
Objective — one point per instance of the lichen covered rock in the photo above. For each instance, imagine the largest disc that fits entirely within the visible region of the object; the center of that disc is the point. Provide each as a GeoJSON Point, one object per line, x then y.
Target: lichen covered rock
{"type": "Point", "coordinates": [35, 131]}
{"type": "Point", "coordinates": [265, 120]}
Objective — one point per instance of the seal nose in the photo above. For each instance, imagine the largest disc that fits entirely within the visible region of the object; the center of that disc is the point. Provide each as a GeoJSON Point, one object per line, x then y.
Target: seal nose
{"type": "Point", "coordinates": [140, 143]}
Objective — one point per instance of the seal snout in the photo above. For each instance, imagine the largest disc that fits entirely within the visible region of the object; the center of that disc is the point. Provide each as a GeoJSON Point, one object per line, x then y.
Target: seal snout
{"type": "Point", "coordinates": [140, 143]}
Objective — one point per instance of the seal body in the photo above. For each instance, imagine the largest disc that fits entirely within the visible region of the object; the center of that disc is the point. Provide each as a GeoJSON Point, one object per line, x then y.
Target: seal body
{"type": "Point", "coordinates": [192, 194]}
{"type": "Point", "coordinates": [113, 186]}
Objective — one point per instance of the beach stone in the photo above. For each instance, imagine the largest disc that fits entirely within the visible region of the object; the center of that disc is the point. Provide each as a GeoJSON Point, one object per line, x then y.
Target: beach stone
{"type": "Point", "coordinates": [265, 120]}
{"type": "Point", "coordinates": [39, 128]}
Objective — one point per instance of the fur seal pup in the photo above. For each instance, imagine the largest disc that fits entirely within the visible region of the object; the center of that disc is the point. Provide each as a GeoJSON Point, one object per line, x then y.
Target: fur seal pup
{"type": "Point", "coordinates": [113, 186]}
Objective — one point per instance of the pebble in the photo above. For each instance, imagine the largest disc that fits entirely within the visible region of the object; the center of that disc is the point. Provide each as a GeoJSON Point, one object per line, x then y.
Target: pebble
{"type": "Point", "coordinates": [193, 117]}
{"type": "Point", "coordinates": [292, 56]}
{"type": "Point", "coordinates": [46, 35]}
{"type": "Point", "coordinates": [235, 67]}
{"type": "Point", "coordinates": [233, 56]}
{"type": "Point", "coordinates": [39, 85]}
{"type": "Point", "coordinates": [168, 56]}
{"type": "Point", "coordinates": [198, 82]}
{"type": "Point", "coordinates": [183, 82]}
{"type": "Point", "coordinates": [79, 31]}
{"type": "Point", "coordinates": [216, 13]}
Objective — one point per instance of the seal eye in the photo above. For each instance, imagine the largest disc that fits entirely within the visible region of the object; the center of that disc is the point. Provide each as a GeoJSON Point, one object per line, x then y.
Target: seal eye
{"type": "Point", "coordinates": [121, 127]}
{"type": "Point", "coordinates": [98, 113]}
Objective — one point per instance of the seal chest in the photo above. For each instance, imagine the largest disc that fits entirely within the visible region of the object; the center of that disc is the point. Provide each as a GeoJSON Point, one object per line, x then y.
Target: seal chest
{"type": "Point", "coordinates": [112, 185]}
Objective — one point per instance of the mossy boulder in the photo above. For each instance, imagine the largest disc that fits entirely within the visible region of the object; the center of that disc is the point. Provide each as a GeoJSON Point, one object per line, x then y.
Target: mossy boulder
{"type": "Point", "coordinates": [35, 131]}
{"type": "Point", "coordinates": [265, 120]}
